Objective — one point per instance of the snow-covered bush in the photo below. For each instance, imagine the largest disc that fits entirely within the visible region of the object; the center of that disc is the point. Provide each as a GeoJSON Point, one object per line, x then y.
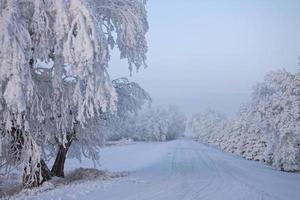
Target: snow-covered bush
{"type": "Point", "coordinates": [53, 78]}
{"type": "Point", "coordinates": [207, 125]}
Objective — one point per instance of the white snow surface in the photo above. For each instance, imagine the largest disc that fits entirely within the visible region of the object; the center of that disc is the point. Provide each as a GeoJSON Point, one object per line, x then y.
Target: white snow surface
{"type": "Point", "coordinates": [178, 170]}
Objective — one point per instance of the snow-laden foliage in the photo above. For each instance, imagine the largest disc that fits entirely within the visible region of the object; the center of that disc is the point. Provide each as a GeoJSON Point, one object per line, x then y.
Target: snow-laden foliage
{"type": "Point", "coordinates": [131, 99]}
{"type": "Point", "coordinates": [244, 137]}
{"type": "Point", "coordinates": [158, 124]}
{"type": "Point", "coordinates": [276, 104]}
{"type": "Point", "coordinates": [148, 124]}
{"type": "Point", "coordinates": [207, 125]}
{"type": "Point", "coordinates": [268, 128]}
{"type": "Point", "coordinates": [53, 59]}
{"type": "Point", "coordinates": [109, 126]}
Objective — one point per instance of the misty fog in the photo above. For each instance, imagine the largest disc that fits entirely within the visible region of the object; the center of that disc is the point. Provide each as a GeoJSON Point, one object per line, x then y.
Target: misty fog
{"type": "Point", "coordinates": [210, 54]}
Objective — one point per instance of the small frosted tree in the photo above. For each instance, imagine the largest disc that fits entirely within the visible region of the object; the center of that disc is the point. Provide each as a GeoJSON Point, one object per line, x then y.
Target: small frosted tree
{"type": "Point", "coordinates": [54, 55]}
{"type": "Point", "coordinates": [207, 125]}
{"type": "Point", "coordinates": [176, 123]}
{"type": "Point", "coordinates": [159, 124]}
{"type": "Point", "coordinates": [131, 99]}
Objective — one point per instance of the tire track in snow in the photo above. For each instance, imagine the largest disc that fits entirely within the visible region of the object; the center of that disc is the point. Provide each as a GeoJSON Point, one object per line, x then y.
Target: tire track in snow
{"type": "Point", "coordinates": [229, 176]}
{"type": "Point", "coordinates": [154, 190]}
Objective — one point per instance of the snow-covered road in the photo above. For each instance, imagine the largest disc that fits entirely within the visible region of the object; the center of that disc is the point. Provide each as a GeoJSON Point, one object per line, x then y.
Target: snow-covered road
{"type": "Point", "coordinates": [181, 170]}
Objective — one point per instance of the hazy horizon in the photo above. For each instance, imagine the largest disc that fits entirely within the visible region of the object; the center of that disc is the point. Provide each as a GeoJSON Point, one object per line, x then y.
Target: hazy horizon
{"type": "Point", "coordinates": [211, 53]}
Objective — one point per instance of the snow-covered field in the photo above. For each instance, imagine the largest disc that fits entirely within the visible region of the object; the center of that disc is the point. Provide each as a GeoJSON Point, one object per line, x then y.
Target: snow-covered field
{"type": "Point", "coordinates": [178, 170]}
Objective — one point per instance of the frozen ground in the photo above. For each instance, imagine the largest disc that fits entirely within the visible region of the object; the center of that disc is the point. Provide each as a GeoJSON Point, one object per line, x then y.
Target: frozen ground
{"type": "Point", "coordinates": [179, 170]}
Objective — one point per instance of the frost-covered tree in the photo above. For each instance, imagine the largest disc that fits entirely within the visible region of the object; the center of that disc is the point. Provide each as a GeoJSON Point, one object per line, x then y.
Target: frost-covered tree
{"type": "Point", "coordinates": [159, 124]}
{"type": "Point", "coordinates": [268, 128]}
{"type": "Point", "coordinates": [207, 125]}
{"type": "Point", "coordinates": [244, 137]}
{"type": "Point", "coordinates": [276, 104]}
{"type": "Point", "coordinates": [53, 59]}
{"type": "Point", "coordinates": [177, 123]}
{"type": "Point", "coordinates": [131, 99]}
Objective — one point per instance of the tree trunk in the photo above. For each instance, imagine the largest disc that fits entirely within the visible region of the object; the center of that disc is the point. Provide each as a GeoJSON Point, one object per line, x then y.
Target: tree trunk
{"type": "Point", "coordinates": [46, 173]}
{"type": "Point", "coordinates": [59, 164]}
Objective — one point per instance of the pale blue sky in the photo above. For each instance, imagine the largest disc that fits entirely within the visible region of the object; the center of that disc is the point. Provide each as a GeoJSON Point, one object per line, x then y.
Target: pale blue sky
{"type": "Point", "coordinates": [210, 53]}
